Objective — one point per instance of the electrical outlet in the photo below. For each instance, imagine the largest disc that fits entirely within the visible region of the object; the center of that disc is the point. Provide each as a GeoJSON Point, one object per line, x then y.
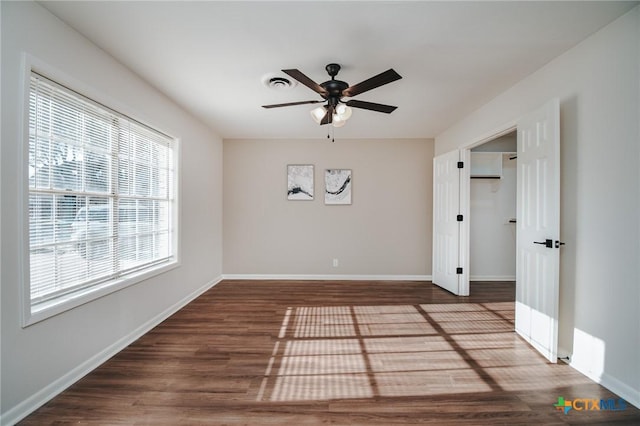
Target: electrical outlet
{"type": "Point", "coordinates": [335, 263]}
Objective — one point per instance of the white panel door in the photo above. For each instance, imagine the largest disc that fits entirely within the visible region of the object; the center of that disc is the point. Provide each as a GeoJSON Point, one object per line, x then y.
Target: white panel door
{"type": "Point", "coordinates": [446, 228]}
{"type": "Point", "coordinates": [538, 221]}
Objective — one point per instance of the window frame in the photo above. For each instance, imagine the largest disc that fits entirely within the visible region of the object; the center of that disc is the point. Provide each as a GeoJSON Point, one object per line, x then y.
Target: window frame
{"type": "Point", "coordinates": [80, 297]}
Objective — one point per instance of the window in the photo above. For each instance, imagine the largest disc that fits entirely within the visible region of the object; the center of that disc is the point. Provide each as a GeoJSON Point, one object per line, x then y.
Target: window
{"type": "Point", "coordinates": [101, 197]}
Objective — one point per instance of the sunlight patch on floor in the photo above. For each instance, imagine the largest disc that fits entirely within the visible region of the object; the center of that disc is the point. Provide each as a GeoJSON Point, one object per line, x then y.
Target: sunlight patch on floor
{"type": "Point", "coordinates": [338, 352]}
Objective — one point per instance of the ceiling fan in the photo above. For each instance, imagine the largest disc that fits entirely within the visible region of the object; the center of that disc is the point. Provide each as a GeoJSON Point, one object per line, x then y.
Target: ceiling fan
{"type": "Point", "coordinates": [336, 111]}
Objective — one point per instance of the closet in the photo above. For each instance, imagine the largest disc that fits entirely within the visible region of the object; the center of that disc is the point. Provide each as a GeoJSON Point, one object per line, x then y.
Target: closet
{"type": "Point", "coordinates": [492, 232]}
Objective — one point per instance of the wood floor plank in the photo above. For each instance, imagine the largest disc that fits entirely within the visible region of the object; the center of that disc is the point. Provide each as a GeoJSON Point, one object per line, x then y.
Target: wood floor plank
{"type": "Point", "coordinates": [333, 353]}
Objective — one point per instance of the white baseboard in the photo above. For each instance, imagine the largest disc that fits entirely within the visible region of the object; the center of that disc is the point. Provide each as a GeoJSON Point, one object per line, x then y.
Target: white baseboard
{"type": "Point", "coordinates": [305, 277]}
{"type": "Point", "coordinates": [329, 277]}
{"type": "Point", "coordinates": [492, 278]}
{"type": "Point", "coordinates": [626, 392]}
{"type": "Point", "coordinates": [38, 399]}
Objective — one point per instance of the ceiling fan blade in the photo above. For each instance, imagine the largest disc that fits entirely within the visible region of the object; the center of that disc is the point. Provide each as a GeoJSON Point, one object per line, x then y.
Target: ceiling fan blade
{"type": "Point", "coordinates": [291, 104]}
{"type": "Point", "coordinates": [298, 75]}
{"type": "Point", "coordinates": [376, 81]}
{"type": "Point", "coordinates": [328, 117]}
{"type": "Point", "coordinates": [371, 106]}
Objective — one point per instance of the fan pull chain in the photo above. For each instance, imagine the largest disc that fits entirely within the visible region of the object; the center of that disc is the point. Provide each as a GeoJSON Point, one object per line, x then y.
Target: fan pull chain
{"type": "Point", "coordinates": [329, 134]}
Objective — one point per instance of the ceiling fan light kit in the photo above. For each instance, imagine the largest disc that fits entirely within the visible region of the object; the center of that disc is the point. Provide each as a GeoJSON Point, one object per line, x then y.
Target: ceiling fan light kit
{"type": "Point", "coordinates": [343, 111]}
{"type": "Point", "coordinates": [339, 118]}
{"type": "Point", "coordinates": [337, 121]}
{"type": "Point", "coordinates": [336, 111]}
{"type": "Point", "coordinates": [318, 114]}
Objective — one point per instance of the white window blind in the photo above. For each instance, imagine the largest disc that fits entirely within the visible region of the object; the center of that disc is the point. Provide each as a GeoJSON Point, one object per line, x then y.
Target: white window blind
{"type": "Point", "coordinates": [101, 194]}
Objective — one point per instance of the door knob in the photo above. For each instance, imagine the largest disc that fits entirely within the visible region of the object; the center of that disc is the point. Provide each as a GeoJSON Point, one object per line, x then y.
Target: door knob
{"type": "Point", "coordinates": [547, 243]}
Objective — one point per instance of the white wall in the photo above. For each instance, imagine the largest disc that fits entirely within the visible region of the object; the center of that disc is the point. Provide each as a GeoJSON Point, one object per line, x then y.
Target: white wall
{"type": "Point", "coordinates": [598, 86]}
{"type": "Point", "coordinates": [39, 360]}
{"type": "Point", "coordinates": [385, 232]}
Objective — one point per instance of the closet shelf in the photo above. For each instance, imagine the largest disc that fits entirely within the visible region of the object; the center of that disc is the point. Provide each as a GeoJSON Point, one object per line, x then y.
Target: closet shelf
{"type": "Point", "coordinates": [486, 165]}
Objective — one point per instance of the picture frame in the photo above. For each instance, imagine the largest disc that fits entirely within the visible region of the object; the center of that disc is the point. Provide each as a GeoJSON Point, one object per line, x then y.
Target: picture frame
{"type": "Point", "coordinates": [300, 182]}
{"type": "Point", "coordinates": [338, 186]}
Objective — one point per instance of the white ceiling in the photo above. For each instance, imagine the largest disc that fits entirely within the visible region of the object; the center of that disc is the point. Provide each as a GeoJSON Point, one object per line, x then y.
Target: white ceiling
{"type": "Point", "coordinates": [453, 56]}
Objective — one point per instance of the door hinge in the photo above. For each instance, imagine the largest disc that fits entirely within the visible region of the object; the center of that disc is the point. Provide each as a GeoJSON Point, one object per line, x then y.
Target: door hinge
{"type": "Point", "coordinates": [459, 218]}
{"type": "Point", "coordinates": [461, 164]}
{"type": "Point", "coordinates": [458, 271]}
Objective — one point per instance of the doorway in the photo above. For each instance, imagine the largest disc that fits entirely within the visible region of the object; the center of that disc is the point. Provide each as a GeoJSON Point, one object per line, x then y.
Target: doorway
{"type": "Point", "coordinates": [492, 210]}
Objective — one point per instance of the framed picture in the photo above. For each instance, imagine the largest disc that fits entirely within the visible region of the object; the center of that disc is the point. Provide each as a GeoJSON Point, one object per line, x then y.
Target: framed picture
{"type": "Point", "coordinates": [300, 182]}
{"type": "Point", "coordinates": [337, 183]}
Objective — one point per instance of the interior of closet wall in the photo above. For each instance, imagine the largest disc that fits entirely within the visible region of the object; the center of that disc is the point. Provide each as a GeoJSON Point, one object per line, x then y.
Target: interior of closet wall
{"type": "Point", "coordinates": [493, 210]}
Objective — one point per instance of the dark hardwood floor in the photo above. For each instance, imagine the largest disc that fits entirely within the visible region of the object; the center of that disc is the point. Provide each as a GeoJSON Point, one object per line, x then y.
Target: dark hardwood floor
{"type": "Point", "coordinates": [329, 352]}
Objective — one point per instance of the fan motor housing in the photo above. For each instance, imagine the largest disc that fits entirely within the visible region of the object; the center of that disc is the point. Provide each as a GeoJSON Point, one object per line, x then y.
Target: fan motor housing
{"type": "Point", "coordinates": [334, 88]}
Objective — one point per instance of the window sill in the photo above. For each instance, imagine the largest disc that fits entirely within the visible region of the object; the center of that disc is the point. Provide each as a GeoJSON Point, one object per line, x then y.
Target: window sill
{"type": "Point", "coordinates": [48, 309]}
